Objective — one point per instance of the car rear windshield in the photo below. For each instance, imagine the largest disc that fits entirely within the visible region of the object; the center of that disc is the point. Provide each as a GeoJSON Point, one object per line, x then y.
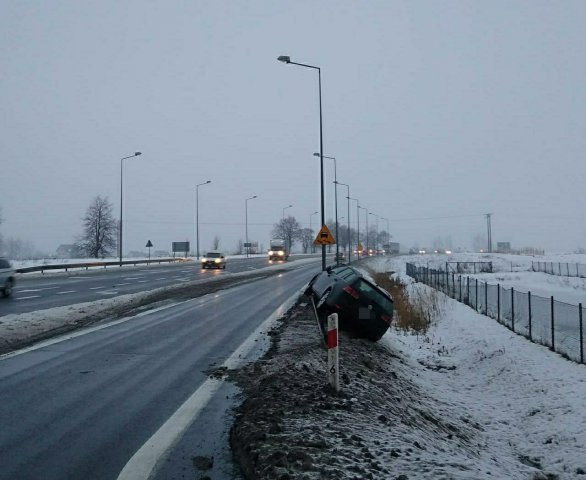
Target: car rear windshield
{"type": "Point", "coordinates": [365, 288]}
{"type": "Point", "coordinates": [214, 255]}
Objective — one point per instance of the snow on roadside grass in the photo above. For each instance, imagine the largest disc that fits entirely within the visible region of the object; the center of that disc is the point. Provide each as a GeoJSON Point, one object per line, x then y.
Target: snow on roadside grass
{"type": "Point", "coordinates": [529, 401]}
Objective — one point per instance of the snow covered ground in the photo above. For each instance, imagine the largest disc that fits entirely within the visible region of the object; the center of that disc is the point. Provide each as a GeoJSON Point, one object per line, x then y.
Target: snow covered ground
{"type": "Point", "coordinates": [528, 400]}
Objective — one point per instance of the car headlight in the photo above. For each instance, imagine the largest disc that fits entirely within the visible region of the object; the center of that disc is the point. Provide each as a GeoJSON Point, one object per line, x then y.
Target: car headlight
{"type": "Point", "coordinates": [203, 260]}
{"type": "Point", "coordinates": [281, 253]}
{"type": "Point", "coordinates": [271, 252]}
{"type": "Point", "coordinates": [217, 260]}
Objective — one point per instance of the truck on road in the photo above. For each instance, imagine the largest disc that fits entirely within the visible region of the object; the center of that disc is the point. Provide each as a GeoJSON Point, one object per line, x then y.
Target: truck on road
{"type": "Point", "coordinates": [278, 249]}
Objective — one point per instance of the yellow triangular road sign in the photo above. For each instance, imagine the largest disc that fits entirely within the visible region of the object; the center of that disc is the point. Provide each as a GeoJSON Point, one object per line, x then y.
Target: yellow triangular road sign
{"type": "Point", "coordinates": [324, 237]}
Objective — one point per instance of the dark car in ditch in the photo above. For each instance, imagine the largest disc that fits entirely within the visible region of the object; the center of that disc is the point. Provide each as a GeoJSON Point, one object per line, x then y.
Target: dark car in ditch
{"type": "Point", "coordinates": [364, 309]}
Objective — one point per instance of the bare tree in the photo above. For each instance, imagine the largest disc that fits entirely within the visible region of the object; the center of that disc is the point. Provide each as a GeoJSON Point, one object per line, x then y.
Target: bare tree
{"type": "Point", "coordinates": [216, 243]}
{"type": "Point", "coordinates": [99, 228]}
{"type": "Point", "coordinates": [287, 229]}
{"type": "Point", "coordinates": [306, 237]}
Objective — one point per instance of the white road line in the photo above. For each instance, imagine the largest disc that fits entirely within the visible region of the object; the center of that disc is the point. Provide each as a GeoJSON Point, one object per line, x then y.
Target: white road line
{"type": "Point", "coordinates": [131, 278]}
{"type": "Point", "coordinates": [142, 281]}
{"type": "Point", "coordinates": [108, 292]}
{"type": "Point", "coordinates": [80, 333]}
{"type": "Point", "coordinates": [162, 278]}
{"type": "Point", "coordinates": [36, 289]}
{"type": "Point", "coordinates": [145, 462]}
{"type": "Point", "coordinates": [25, 298]}
{"type": "Point", "coordinates": [127, 283]}
{"type": "Point", "coordinates": [96, 288]}
{"type": "Point", "coordinates": [63, 293]}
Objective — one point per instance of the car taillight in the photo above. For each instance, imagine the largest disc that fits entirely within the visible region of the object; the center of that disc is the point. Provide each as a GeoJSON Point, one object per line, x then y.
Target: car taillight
{"type": "Point", "coordinates": [387, 318]}
{"type": "Point", "coordinates": [350, 291]}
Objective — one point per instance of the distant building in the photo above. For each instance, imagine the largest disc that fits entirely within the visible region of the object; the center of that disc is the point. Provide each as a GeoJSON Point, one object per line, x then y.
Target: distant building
{"type": "Point", "coordinates": [503, 247]}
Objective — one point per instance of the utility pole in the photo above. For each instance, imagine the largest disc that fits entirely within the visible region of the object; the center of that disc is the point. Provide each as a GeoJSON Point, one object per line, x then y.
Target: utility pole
{"type": "Point", "coordinates": [489, 233]}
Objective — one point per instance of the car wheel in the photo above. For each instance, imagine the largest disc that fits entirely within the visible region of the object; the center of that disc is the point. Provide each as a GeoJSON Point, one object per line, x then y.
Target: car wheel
{"type": "Point", "coordinates": [7, 292]}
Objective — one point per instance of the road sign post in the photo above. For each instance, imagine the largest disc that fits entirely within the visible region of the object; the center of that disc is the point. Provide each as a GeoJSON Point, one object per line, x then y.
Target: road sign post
{"type": "Point", "coordinates": [332, 344]}
{"type": "Point", "coordinates": [149, 245]}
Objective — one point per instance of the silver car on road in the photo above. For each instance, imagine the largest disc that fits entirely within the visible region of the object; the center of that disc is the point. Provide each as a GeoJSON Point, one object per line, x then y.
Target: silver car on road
{"type": "Point", "coordinates": [6, 277]}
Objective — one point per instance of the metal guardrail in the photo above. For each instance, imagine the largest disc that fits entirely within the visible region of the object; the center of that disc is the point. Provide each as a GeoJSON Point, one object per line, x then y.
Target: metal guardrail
{"type": "Point", "coordinates": [87, 265]}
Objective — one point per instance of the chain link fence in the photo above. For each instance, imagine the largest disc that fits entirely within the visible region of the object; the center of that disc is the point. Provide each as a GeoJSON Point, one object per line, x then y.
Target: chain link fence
{"type": "Point", "coordinates": [560, 269]}
{"type": "Point", "coordinates": [542, 320]}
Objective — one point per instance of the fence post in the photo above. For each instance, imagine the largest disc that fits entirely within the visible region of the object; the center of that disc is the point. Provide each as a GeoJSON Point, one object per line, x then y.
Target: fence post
{"type": "Point", "coordinates": [454, 285]}
{"type": "Point", "coordinates": [486, 298]}
{"type": "Point", "coordinates": [498, 302]}
{"type": "Point", "coordinates": [581, 335]}
{"type": "Point", "coordinates": [513, 308]}
{"type": "Point", "coordinates": [577, 270]}
{"type": "Point", "coordinates": [476, 296]}
{"type": "Point", "coordinates": [552, 326]}
{"type": "Point", "coordinates": [529, 300]}
{"type": "Point", "coordinates": [468, 291]}
{"type": "Point", "coordinates": [460, 286]}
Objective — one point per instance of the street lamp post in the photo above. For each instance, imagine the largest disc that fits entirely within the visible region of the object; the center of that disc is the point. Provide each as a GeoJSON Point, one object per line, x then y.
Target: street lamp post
{"type": "Point", "coordinates": [311, 228]}
{"type": "Point", "coordinates": [246, 221]}
{"type": "Point", "coordinates": [335, 201]}
{"type": "Point", "coordinates": [286, 59]}
{"type": "Point", "coordinates": [366, 209]}
{"type": "Point", "coordinates": [357, 223]}
{"type": "Point", "coordinates": [197, 213]}
{"type": "Point", "coordinates": [285, 208]}
{"type": "Point", "coordinates": [375, 238]}
{"type": "Point", "coordinates": [136, 154]}
{"type": "Point", "coordinates": [348, 236]}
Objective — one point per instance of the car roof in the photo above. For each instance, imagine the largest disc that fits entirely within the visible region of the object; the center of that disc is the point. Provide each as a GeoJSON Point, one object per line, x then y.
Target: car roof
{"type": "Point", "coordinates": [214, 251]}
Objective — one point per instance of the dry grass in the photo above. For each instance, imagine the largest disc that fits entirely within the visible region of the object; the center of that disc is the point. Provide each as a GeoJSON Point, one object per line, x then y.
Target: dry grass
{"type": "Point", "coordinates": [415, 311]}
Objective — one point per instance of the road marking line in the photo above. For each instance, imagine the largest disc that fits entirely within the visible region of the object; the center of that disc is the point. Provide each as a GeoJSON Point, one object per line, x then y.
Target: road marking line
{"type": "Point", "coordinates": [63, 293]}
{"type": "Point", "coordinates": [127, 283]}
{"type": "Point", "coordinates": [36, 289]}
{"type": "Point", "coordinates": [25, 298]}
{"type": "Point", "coordinates": [145, 462]}
{"type": "Point", "coordinates": [108, 292]}
{"type": "Point", "coordinates": [131, 278]}
{"type": "Point", "coordinates": [70, 336]}
{"type": "Point", "coordinates": [162, 278]}
{"type": "Point", "coordinates": [142, 281]}
{"type": "Point", "coordinates": [95, 288]}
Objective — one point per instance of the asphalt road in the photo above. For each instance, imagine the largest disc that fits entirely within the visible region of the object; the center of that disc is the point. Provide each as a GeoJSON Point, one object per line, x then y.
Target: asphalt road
{"type": "Point", "coordinates": [82, 407]}
{"type": "Point", "coordinates": [38, 292]}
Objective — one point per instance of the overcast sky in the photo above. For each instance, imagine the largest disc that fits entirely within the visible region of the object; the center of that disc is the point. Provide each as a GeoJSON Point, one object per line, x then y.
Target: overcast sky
{"type": "Point", "coordinates": [432, 109]}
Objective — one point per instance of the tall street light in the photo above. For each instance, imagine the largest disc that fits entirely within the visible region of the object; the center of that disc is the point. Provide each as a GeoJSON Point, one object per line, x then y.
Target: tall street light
{"type": "Point", "coordinates": [136, 154]}
{"type": "Point", "coordinates": [285, 208]}
{"type": "Point", "coordinates": [348, 236]}
{"type": "Point", "coordinates": [197, 213]}
{"type": "Point", "coordinates": [357, 224]}
{"type": "Point", "coordinates": [335, 202]}
{"type": "Point", "coordinates": [246, 222]}
{"type": "Point", "coordinates": [311, 228]}
{"type": "Point", "coordinates": [366, 209]}
{"type": "Point", "coordinates": [375, 238]}
{"type": "Point", "coordinates": [287, 59]}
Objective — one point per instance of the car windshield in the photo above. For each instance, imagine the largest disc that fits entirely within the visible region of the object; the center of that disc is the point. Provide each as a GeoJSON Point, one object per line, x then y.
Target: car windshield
{"type": "Point", "coordinates": [372, 293]}
{"type": "Point", "coordinates": [213, 255]}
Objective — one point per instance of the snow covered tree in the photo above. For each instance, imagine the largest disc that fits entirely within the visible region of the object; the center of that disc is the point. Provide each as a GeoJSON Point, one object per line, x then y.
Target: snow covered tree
{"type": "Point", "coordinates": [99, 229]}
{"type": "Point", "coordinates": [287, 229]}
{"type": "Point", "coordinates": [306, 236]}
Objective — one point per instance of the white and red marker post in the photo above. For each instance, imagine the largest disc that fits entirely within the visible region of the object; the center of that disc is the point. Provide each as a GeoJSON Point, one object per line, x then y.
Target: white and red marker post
{"type": "Point", "coordinates": [332, 344]}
